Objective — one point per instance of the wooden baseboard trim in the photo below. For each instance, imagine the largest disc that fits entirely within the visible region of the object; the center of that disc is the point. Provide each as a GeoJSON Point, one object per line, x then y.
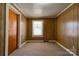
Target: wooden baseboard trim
{"type": "Point", "coordinates": [23, 44]}
{"type": "Point", "coordinates": [35, 41]}
{"type": "Point", "coordinates": [51, 41]}
{"type": "Point", "coordinates": [66, 49]}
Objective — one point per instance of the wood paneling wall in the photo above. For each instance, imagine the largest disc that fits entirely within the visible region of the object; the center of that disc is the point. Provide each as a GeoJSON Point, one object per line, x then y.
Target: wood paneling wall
{"type": "Point", "coordinates": [67, 28]}
{"type": "Point", "coordinates": [77, 13]}
{"type": "Point", "coordinates": [29, 27]}
{"type": "Point", "coordinates": [48, 29]}
{"type": "Point", "coordinates": [2, 29]}
{"type": "Point", "coordinates": [20, 22]}
{"type": "Point", "coordinates": [67, 25]}
{"type": "Point", "coordinates": [23, 29]}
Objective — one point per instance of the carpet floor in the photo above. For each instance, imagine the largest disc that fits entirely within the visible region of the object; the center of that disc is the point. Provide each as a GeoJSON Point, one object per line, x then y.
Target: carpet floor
{"type": "Point", "coordinates": [40, 49]}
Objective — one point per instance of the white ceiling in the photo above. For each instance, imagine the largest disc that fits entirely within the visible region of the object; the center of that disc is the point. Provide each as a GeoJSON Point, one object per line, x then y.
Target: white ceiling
{"type": "Point", "coordinates": [41, 9]}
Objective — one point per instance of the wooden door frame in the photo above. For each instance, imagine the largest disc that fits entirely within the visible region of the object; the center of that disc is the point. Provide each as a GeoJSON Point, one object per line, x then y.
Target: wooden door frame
{"type": "Point", "coordinates": [9, 6]}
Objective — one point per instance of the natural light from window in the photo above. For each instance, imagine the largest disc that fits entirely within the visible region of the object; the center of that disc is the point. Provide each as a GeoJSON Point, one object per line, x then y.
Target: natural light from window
{"type": "Point", "coordinates": [37, 28]}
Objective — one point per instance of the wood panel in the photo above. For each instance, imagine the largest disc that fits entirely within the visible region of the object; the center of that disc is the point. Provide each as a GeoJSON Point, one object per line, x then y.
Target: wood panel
{"type": "Point", "coordinates": [75, 21]}
{"type": "Point", "coordinates": [30, 31]}
{"type": "Point", "coordinates": [2, 29]}
{"type": "Point", "coordinates": [67, 28]}
{"type": "Point", "coordinates": [48, 28]}
{"type": "Point", "coordinates": [78, 29]}
{"type": "Point", "coordinates": [13, 31]}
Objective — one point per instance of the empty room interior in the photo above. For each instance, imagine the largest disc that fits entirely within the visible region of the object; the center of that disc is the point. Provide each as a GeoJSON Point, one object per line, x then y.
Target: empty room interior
{"type": "Point", "coordinates": [39, 29]}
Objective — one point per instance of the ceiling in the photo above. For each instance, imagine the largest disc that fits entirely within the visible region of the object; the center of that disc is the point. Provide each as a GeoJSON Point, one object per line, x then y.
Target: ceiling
{"type": "Point", "coordinates": [41, 9]}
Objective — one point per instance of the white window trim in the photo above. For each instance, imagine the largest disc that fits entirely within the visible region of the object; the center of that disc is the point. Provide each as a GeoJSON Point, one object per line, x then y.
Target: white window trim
{"type": "Point", "coordinates": [42, 30]}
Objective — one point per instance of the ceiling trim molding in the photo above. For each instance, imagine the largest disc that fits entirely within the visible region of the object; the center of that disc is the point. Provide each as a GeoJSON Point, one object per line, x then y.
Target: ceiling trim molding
{"type": "Point", "coordinates": [53, 17]}
{"type": "Point", "coordinates": [65, 9]}
{"type": "Point", "coordinates": [18, 9]}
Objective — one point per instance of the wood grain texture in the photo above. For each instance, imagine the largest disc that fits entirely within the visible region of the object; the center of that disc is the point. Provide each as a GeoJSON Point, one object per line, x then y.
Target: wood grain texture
{"type": "Point", "coordinates": [29, 27]}
{"type": "Point", "coordinates": [78, 28]}
{"type": "Point", "coordinates": [2, 29]}
{"type": "Point", "coordinates": [67, 25]}
{"type": "Point", "coordinates": [48, 29]}
{"type": "Point", "coordinates": [13, 32]}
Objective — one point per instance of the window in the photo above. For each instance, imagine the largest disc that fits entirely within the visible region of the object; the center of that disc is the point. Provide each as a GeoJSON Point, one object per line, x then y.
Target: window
{"type": "Point", "coordinates": [37, 28]}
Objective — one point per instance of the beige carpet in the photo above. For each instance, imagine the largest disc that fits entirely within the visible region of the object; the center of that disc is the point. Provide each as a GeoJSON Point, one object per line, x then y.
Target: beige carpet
{"type": "Point", "coordinates": [40, 49]}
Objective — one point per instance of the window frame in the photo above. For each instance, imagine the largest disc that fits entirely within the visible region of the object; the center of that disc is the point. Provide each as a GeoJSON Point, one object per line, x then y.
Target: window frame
{"type": "Point", "coordinates": [42, 29]}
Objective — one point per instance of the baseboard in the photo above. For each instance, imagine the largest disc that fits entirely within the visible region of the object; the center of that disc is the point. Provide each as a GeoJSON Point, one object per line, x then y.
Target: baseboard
{"type": "Point", "coordinates": [39, 41]}
{"type": "Point", "coordinates": [35, 41]}
{"type": "Point", "coordinates": [66, 49]}
{"type": "Point", "coordinates": [23, 44]}
{"type": "Point", "coordinates": [51, 41]}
